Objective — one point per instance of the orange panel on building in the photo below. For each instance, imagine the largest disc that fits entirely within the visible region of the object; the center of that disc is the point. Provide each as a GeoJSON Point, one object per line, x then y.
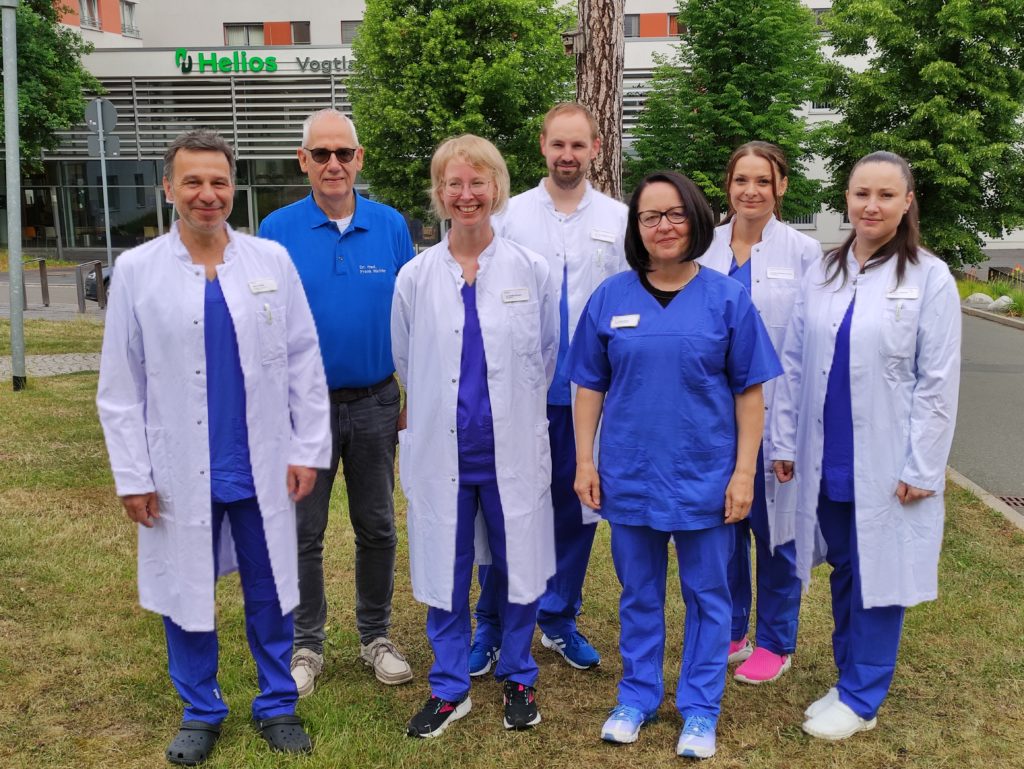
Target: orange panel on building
{"type": "Point", "coordinates": [69, 14]}
{"type": "Point", "coordinates": [653, 25]}
{"type": "Point", "coordinates": [277, 33]}
{"type": "Point", "coordinates": [110, 16]}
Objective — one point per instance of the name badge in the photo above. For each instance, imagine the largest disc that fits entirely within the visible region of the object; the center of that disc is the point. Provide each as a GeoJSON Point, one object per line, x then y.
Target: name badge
{"type": "Point", "coordinates": [607, 237]}
{"type": "Point", "coordinates": [904, 292]}
{"type": "Point", "coordinates": [263, 285]}
{"type": "Point", "coordinates": [781, 273]}
{"type": "Point", "coordinates": [625, 321]}
{"type": "Point", "coordinates": [510, 295]}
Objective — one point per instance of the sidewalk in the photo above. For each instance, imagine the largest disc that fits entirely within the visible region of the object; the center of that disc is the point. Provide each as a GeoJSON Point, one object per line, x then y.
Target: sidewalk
{"type": "Point", "coordinates": [52, 365]}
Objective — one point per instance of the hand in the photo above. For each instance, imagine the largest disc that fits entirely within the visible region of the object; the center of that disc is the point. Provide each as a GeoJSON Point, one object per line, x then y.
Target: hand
{"type": "Point", "coordinates": [783, 470]}
{"type": "Point", "coordinates": [403, 419]}
{"type": "Point", "coordinates": [739, 496]}
{"type": "Point", "coordinates": [300, 481]}
{"type": "Point", "coordinates": [141, 508]}
{"type": "Point", "coordinates": [906, 493]}
{"type": "Point", "coordinates": [588, 485]}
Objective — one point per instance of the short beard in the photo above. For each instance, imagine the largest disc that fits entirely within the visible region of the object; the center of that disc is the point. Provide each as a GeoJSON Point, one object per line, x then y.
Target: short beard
{"type": "Point", "coordinates": [568, 182]}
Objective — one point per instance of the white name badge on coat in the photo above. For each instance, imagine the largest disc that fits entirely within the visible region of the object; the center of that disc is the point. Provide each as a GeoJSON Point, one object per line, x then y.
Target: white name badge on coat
{"type": "Point", "coordinates": [904, 292]}
{"type": "Point", "coordinates": [510, 295]}
{"type": "Point", "coordinates": [263, 285]}
{"type": "Point", "coordinates": [780, 273]}
{"type": "Point", "coordinates": [626, 321]}
{"type": "Point", "coordinates": [607, 237]}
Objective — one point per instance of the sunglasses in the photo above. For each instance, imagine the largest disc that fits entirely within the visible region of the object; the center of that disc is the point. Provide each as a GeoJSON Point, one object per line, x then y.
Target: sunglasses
{"type": "Point", "coordinates": [321, 155]}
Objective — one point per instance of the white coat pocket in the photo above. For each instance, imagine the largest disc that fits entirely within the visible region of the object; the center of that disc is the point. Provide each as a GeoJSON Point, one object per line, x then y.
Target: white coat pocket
{"type": "Point", "coordinates": [899, 331]}
{"type": "Point", "coordinates": [270, 328]}
{"type": "Point", "coordinates": [524, 327]}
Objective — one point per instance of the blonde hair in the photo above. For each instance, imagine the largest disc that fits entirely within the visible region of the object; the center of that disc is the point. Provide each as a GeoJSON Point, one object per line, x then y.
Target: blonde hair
{"type": "Point", "coordinates": [570, 108]}
{"type": "Point", "coordinates": [477, 152]}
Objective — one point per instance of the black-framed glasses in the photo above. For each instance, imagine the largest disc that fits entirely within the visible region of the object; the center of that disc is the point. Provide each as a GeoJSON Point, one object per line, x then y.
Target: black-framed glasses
{"type": "Point", "coordinates": [321, 154]}
{"type": "Point", "coordinates": [653, 218]}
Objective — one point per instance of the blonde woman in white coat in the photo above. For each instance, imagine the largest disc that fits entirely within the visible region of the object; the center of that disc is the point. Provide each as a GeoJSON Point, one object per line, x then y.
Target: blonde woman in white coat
{"type": "Point", "coordinates": [867, 410]}
{"type": "Point", "coordinates": [769, 258]}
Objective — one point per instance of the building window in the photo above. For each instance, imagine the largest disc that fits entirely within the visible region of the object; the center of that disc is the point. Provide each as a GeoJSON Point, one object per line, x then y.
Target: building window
{"type": "Point", "coordinates": [674, 29]}
{"type": "Point", "coordinates": [820, 17]}
{"type": "Point", "coordinates": [140, 191]}
{"type": "Point", "coordinates": [632, 24]}
{"type": "Point", "coordinates": [243, 34]}
{"type": "Point", "coordinates": [89, 13]}
{"type": "Point", "coordinates": [348, 31]}
{"type": "Point", "coordinates": [801, 222]}
{"type": "Point", "coordinates": [822, 106]}
{"type": "Point", "coordinates": [300, 32]}
{"type": "Point", "coordinates": [128, 28]}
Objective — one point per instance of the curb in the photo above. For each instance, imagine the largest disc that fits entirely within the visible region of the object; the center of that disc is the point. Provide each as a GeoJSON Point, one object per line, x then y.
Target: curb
{"type": "Point", "coordinates": [1000, 319]}
{"type": "Point", "coordinates": [1011, 515]}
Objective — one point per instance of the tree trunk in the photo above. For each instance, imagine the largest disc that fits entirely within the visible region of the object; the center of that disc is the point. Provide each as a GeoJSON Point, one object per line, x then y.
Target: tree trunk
{"type": "Point", "coordinates": [599, 85]}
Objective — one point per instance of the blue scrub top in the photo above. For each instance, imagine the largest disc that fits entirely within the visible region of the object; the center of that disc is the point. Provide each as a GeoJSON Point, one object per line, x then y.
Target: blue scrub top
{"type": "Point", "coordinates": [473, 413]}
{"type": "Point", "coordinates": [230, 467]}
{"type": "Point", "coordinates": [742, 274]}
{"type": "Point", "coordinates": [670, 374]}
{"type": "Point", "coordinates": [837, 456]}
{"type": "Point", "coordinates": [560, 391]}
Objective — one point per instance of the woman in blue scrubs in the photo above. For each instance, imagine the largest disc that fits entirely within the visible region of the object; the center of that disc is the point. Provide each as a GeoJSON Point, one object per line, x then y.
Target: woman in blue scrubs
{"type": "Point", "coordinates": [672, 357]}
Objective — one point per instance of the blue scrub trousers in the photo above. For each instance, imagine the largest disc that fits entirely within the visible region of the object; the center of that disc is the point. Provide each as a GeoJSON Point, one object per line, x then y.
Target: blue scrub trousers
{"type": "Point", "coordinates": [192, 656]}
{"type": "Point", "coordinates": [778, 586]}
{"type": "Point", "coordinates": [449, 631]}
{"type": "Point", "coordinates": [640, 555]}
{"type": "Point", "coordinates": [865, 641]}
{"type": "Point", "coordinates": [574, 540]}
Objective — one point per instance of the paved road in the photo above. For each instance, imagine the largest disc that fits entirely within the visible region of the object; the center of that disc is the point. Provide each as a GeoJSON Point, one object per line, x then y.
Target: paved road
{"type": "Point", "coordinates": [63, 301]}
{"type": "Point", "coordinates": [989, 444]}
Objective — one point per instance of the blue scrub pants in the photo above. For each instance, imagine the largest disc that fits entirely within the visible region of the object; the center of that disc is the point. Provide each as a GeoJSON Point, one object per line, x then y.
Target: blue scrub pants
{"type": "Point", "coordinates": [192, 656]}
{"type": "Point", "coordinates": [449, 631]}
{"type": "Point", "coordinates": [778, 586]}
{"type": "Point", "coordinates": [865, 641]}
{"type": "Point", "coordinates": [640, 555]}
{"type": "Point", "coordinates": [574, 539]}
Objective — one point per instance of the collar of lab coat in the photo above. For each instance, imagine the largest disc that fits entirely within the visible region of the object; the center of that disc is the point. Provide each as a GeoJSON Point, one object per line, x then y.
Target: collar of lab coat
{"type": "Point", "coordinates": [771, 228]}
{"type": "Point", "coordinates": [545, 196]}
{"type": "Point", "coordinates": [179, 249]}
{"type": "Point", "coordinates": [482, 261]}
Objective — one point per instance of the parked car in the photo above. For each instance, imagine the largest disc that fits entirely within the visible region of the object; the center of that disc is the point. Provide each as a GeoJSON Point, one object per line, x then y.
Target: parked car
{"type": "Point", "coordinates": [90, 284]}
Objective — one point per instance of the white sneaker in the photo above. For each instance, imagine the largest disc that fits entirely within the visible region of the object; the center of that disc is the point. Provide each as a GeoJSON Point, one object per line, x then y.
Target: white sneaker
{"type": "Point", "coordinates": [816, 707]}
{"type": "Point", "coordinates": [306, 666]}
{"type": "Point", "coordinates": [389, 664]}
{"type": "Point", "coordinates": [837, 722]}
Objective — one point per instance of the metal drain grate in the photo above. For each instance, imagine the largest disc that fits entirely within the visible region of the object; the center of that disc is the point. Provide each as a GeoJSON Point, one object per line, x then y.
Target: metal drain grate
{"type": "Point", "coordinates": [1014, 501]}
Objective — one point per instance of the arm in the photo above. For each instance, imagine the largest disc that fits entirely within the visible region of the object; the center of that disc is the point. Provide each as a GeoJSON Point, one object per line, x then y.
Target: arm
{"type": "Point", "coordinates": [784, 418]}
{"type": "Point", "coordinates": [549, 322]}
{"type": "Point", "coordinates": [586, 415]}
{"type": "Point", "coordinates": [739, 494]}
{"type": "Point", "coordinates": [401, 323]}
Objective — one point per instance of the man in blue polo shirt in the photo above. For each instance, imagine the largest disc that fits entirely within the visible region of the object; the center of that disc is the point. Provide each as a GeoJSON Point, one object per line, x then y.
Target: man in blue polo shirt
{"type": "Point", "coordinates": [348, 251]}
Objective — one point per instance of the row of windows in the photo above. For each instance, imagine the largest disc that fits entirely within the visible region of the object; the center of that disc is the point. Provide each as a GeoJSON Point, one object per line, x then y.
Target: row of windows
{"type": "Point", "coordinates": [255, 33]}
{"type": "Point", "coordinates": [89, 15]}
{"type": "Point", "coordinates": [667, 25]}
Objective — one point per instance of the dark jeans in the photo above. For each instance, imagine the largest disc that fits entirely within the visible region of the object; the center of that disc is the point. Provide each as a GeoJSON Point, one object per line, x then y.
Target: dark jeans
{"type": "Point", "coordinates": [364, 436]}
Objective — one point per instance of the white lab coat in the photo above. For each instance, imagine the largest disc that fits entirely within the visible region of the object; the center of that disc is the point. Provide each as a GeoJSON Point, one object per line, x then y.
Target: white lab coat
{"type": "Point", "coordinates": [519, 325]}
{"type": "Point", "coordinates": [904, 382]}
{"type": "Point", "coordinates": [777, 265]}
{"type": "Point", "coordinates": [152, 404]}
{"type": "Point", "coordinates": [588, 245]}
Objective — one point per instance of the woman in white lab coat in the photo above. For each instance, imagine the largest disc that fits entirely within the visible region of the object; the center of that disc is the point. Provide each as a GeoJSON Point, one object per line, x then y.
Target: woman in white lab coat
{"type": "Point", "coordinates": [769, 259]}
{"type": "Point", "coordinates": [474, 330]}
{"type": "Point", "coordinates": [864, 417]}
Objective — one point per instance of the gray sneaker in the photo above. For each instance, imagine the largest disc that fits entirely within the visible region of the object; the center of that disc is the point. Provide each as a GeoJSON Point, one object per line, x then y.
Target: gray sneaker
{"type": "Point", "coordinates": [389, 664]}
{"type": "Point", "coordinates": [306, 666]}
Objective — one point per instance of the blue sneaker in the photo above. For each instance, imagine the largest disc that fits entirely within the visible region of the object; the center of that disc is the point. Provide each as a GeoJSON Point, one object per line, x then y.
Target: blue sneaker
{"type": "Point", "coordinates": [575, 648]}
{"type": "Point", "coordinates": [481, 657]}
{"type": "Point", "coordinates": [623, 724]}
{"type": "Point", "coordinates": [697, 740]}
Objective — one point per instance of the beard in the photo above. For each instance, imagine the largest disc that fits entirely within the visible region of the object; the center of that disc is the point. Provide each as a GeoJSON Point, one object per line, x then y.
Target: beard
{"type": "Point", "coordinates": [568, 177]}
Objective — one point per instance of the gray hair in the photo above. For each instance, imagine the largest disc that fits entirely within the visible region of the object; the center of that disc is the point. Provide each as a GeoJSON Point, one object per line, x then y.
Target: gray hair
{"type": "Point", "coordinates": [202, 140]}
{"type": "Point", "coordinates": [307, 124]}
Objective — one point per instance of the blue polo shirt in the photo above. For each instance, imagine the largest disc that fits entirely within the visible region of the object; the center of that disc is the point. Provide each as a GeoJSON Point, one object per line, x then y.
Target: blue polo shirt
{"type": "Point", "coordinates": [349, 278]}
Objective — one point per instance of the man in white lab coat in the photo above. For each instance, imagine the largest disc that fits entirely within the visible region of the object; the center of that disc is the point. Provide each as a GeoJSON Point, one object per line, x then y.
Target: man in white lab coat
{"type": "Point", "coordinates": [580, 232]}
{"type": "Point", "coordinates": [214, 408]}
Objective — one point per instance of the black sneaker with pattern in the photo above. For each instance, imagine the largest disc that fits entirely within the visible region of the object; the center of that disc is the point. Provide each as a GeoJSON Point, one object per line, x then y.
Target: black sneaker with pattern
{"type": "Point", "coordinates": [436, 716]}
{"type": "Point", "coordinates": [520, 706]}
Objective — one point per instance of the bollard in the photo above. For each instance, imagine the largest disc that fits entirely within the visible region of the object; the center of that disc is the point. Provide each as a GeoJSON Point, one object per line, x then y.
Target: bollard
{"type": "Point", "coordinates": [80, 272]}
{"type": "Point", "coordinates": [44, 283]}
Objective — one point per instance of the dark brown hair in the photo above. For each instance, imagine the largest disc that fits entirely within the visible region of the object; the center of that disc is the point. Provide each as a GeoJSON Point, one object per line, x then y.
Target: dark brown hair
{"type": "Point", "coordinates": [698, 212]}
{"type": "Point", "coordinates": [776, 160]}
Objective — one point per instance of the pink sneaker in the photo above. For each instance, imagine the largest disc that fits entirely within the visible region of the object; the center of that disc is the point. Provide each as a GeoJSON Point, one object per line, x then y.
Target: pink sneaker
{"type": "Point", "coordinates": [739, 650]}
{"type": "Point", "coordinates": [763, 666]}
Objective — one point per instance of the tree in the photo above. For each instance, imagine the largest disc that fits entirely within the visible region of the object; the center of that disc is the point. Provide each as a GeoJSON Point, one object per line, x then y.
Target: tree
{"type": "Point", "coordinates": [51, 80]}
{"type": "Point", "coordinates": [599, 85]}
{"type": "Point", "coordinates": [426, 70]}
{"type": "Point", "coordinates": [944, 88]}
{"type": "Point", "coordinates": [741, 72]}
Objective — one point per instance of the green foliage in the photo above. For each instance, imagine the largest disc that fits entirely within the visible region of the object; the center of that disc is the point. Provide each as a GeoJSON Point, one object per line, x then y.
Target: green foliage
{"type": "Point", "coordinates": [426, 70]}
{"type": "Point", "coordinates": [944, 88]}
{"type": "Point", "coordinates": [741, 72]}
{"type": "Point", "coordinates": [51, 80]}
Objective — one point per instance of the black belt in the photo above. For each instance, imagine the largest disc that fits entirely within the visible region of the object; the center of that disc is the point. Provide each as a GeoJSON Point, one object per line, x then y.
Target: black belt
{"type": "Point", "coordinates": [349, 394]}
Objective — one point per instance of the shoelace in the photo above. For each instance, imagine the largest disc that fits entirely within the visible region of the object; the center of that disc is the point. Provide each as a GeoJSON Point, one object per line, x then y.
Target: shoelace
{"type": "Point", "coordinates": [697, 726]}
{"type": "Point", "coordinates": [382, 648]}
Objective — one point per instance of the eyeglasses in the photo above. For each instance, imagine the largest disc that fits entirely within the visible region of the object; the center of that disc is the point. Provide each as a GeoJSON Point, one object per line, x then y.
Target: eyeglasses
{"type": "Point", "coordinates": [653, 218]}
{"type": "Point", "coordinates": [321, 154]}
{"type": "Point", "coordinates": [455, 187]}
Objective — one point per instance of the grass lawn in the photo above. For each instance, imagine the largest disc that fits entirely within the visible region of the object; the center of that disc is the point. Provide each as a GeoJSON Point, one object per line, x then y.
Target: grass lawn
{"type": "Point", "coordinates": [31, 264]}
{"type": "Point", "coordinates": [995, 289]}
{"type": "Point", "coordinates": [83, 680]}
{"type": "Point", "coordinates": [51, 337]}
